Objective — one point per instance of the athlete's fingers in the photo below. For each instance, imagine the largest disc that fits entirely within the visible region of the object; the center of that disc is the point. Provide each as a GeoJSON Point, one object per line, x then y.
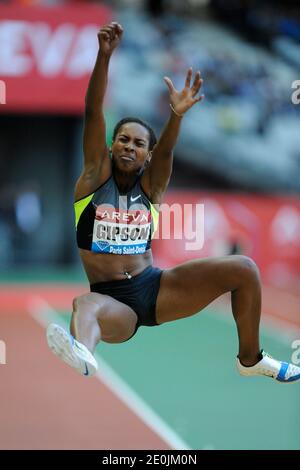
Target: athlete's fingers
{"type": "Point", "coordinates": [198, 99]}
{"type": "Point", "coordinates": [170, 85]}
{"type": "Point", "coordinates": [118, 27]}
{"type": "Point", "coordinates": [110, 30]}
{"type": "Point", "coordinates": [197, 87]}
{"type": "Point", "coordinates": [188, 77]}
{"type": "Point", "coordinates": [104, 34]}
{"type": "Point", "coordinates": [197, 83]}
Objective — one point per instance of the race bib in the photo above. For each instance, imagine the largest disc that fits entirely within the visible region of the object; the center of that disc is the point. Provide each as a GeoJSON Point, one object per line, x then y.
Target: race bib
{"type": "Point", "coordinates": [121, 231]}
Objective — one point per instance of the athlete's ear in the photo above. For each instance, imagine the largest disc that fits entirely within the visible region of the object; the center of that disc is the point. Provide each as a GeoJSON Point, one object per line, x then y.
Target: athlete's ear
{"type": "Point", "coordinates": [149, 156]}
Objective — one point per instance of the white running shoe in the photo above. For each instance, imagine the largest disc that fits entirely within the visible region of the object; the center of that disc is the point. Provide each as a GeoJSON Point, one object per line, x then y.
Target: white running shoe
{"type": "Point", "coordinates": [278, 370]}
{"type": "Point", "coordinates": [72, 352]}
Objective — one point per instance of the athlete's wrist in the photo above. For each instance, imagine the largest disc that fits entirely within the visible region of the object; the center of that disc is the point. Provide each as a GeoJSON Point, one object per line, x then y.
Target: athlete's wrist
{"type": "Point", "coordinates": [175, 112]}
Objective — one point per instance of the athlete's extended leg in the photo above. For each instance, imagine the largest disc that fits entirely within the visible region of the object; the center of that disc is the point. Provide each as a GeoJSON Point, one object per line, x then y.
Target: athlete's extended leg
{"type": "Point", "coordinates": [95, 317]}
{"type": "Point", "coordinates": [191, 286]}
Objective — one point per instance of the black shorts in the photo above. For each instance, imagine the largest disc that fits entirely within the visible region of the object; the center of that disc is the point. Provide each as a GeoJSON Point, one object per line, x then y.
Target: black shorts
{"type": "Point", "coordinates": [140, 293]}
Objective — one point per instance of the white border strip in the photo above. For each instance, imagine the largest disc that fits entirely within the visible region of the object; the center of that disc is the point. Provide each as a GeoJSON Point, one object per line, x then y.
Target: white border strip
{"type": "Point", "coordinates": [44, 314]}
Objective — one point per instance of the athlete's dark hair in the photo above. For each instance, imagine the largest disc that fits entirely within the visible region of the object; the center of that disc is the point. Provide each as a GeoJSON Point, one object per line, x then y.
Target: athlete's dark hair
{"type": "Point", "coordinates": [152, 136]}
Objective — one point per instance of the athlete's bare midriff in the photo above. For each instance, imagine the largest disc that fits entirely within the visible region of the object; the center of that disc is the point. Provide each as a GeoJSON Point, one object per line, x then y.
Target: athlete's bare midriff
{"type": "Point", "coordinates": [101, 267]}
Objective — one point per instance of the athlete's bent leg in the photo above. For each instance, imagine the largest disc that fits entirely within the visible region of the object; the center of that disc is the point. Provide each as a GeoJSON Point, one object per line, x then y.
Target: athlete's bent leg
{"type": "Point", "coordinates": [95, 317]}
{"type": "Point", "coordinates": [100, 317]}
{"type": "Point", "coordinates": [189, 287]}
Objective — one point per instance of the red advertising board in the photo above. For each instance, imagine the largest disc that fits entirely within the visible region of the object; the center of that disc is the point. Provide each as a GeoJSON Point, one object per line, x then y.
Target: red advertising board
{"type": "Point", "coordinates": [47, 54]}
{"type": "Point", "coordinates": [266, 228]}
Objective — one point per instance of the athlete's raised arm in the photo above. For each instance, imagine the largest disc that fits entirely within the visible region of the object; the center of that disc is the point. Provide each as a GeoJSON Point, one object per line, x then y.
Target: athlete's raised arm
{"type": "Point", "coordinates": [157, 175]}
{"type": "Point", "coordinates": [97, 165]}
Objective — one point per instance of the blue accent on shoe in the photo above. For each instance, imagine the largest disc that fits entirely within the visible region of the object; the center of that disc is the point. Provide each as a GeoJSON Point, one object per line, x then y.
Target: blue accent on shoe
{"type": "Point", "coordinates": [292, 379]}
{"type": "Point", "coordinates": [86, 370]}
{"type": "Point", "coordinates": [281, 375]}
{"type": "Point", "coordinates": [73, 342]}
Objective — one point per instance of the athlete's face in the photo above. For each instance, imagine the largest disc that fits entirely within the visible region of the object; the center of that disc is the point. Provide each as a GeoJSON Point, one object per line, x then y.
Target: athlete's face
{"type": "Point", "coordinates": [130, 148]}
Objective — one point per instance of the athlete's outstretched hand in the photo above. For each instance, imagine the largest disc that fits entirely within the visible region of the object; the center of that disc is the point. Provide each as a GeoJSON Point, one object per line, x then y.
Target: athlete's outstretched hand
{"type": "Point", "coordinates": [109, 37]}
{"type": "Point", "coordinates": [183, 100]}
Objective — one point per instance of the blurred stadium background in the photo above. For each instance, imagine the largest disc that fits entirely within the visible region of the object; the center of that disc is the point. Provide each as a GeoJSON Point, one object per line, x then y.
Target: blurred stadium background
{"type": "Point", "coordinates": [239, 154]}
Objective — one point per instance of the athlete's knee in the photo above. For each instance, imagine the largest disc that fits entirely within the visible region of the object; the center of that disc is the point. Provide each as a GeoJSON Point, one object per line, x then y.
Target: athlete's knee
{"type": "Point", "coordinates": [247, 269]}
{"type": "Point", "coordinates": [248, 264]}
{"type": "Point", "coordinates": [77, 303]}
{"type": "Point", "coordinates": [125, 321]}
{"type": "Point", "coordinates": [88, 301]}
{"type": "Point", "coordinates": [118, 326]}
